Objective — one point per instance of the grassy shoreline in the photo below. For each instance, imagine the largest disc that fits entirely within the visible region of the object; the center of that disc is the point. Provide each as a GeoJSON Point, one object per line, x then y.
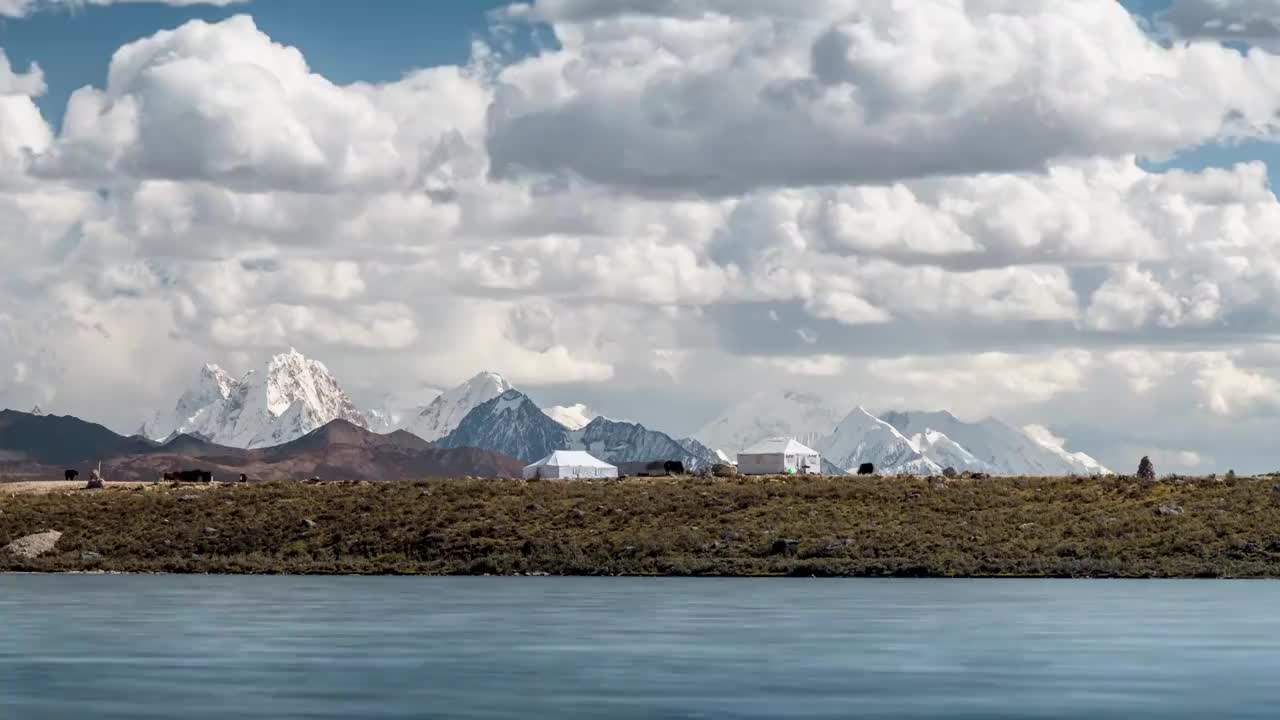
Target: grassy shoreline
{"type": "Point", "coordinates": [739, 527]}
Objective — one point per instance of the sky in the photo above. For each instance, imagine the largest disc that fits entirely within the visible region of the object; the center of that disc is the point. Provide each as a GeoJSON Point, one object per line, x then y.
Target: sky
{"type": "Point", "coordinates": [1057, 213]}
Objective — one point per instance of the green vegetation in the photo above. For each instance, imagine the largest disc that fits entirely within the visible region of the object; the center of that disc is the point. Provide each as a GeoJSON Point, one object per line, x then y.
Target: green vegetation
{"type": "Point", "coordinates": [1116, 527]}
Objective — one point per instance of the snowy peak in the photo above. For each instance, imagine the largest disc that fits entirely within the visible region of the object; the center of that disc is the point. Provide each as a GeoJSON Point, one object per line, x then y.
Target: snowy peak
{"type": "Point", "coordinates": [292, 378]}
{"type": "Point", "coordinates": [574, 417]}
{"type": "Point", "coordinates": [864, 438]}
{"type": "Point", "coordinates": [212, 388]}
{"type": "Point", "coordinates": [947, 453]}
{"type": "Point", "coordinates": [1082, 463]}
{"type": "Point", "coordinates": [214, 383]}
{"type": "Point", "coordinates": [510, 424]}
{"type": "Point", "coordinates": [1006, 450]}
{"type": "Point", "coordinates": [291, 397]}
{"type": "Point", "coordinates": [447, 411]}
{"type": "Point", "coordinates": [302, 388]}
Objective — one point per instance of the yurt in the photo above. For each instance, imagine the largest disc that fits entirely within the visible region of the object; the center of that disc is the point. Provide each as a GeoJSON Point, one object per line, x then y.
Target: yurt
{"type": "Point", "coordinates": [569, 465]}
{"type": "Point", "coordinates": [779, 456]}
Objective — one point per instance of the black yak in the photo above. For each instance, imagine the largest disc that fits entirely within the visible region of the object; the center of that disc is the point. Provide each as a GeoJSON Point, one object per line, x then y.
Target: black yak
{"type": "Point", "coordinates": [866, 469]}
{"type": "Point", "coordinates": [191, 476]}
{"type": "Point", "coordinates": [70, 475]}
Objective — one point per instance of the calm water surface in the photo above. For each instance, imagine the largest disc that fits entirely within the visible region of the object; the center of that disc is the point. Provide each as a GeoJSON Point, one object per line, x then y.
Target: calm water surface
{"type": "Point", "coordinates": [353, 648]}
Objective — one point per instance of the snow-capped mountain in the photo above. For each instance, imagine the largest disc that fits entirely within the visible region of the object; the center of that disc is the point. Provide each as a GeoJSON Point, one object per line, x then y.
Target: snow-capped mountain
{"type": "Point", "coordinates": [947, 453]}
{"type": "Point", "coordinates": [195, 407]}
{"type": "Point", "coordinates": [864, 438]}
{"type": "Point", "coordinates": [513, 425]}
{"type": "Point", "coordinates": [510, 424]}
{"type": "Point", "coordinates": [291, 397]}
{"type": "Point", "coordinates": [574, 417]}
{"type": "Point", "coordinates": [447, 412]}
{"type": "Point", "coordinates": [1007, 450]}
{"type": "Point", "coordinates": [802, 416]}
{"type": "Point", "coordinates": [1055, 445]}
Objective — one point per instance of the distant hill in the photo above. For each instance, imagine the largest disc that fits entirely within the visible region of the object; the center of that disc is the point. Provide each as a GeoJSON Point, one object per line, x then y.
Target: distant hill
{"type": "Point", "coordinates": [63, 441]}
{"type": "Point", "coordinates": [42, 446]}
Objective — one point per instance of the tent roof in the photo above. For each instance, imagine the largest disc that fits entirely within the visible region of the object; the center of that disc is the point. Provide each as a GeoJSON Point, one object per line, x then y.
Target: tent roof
{"type": "Point", "coordinates": [574, 458]}
{"type": "Point", "coordinates": [776, 446]}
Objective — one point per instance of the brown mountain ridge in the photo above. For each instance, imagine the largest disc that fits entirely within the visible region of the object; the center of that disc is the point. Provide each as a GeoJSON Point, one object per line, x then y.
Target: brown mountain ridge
{"type": "Point", "coordinates": [42, 446]}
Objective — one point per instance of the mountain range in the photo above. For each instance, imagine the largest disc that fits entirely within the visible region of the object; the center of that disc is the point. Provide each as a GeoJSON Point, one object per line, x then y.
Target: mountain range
{"type": "Point", "coordinates": [42, 446]}
{"type": "Point", "coordinates": [293, 396]}
{"type": "Point", "coordinates": [513, 425]}
{"type": "Point", "coordinates": [896, 443]}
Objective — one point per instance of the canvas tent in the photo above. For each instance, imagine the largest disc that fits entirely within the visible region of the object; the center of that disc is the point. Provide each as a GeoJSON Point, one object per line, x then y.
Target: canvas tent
{"type": "Point", "coordinates": [779, 456]}
{"type": "Point", "coordinates": [569, 464]}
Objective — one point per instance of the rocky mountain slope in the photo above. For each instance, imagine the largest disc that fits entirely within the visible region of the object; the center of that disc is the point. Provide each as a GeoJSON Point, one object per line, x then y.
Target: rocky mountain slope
{"type": "Point", "coordinates": [510, 424]}
{"type": "Point", "coordinates": [623, 442]}
{"type": "Point", "coordinates": [705, 455]}
{"type": "Point", "coordinates": [513, 425]}
{"type": "Point", "coordinates": [444, 414]}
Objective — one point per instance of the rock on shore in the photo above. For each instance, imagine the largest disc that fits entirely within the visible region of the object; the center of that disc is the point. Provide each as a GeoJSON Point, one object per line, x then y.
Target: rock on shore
{"type": "Point", "coordinates": [33, 546]}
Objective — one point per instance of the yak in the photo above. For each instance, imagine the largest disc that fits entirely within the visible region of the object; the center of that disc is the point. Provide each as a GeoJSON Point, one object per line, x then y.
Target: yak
{"type": "Point", "coordinates": [71, 475]}
{"type": "Point", "coordinates": [191, 476]}
{"type": "Point", "coordinates": [866, 469]}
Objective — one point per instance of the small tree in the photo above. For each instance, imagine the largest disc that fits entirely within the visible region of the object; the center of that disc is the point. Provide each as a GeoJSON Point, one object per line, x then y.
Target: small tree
{"type": "Point", "coordinates": [1146, 470]}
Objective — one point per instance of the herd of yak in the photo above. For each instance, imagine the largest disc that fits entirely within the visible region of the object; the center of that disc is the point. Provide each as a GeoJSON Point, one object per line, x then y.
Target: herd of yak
{"type": "Point", "coordinates": [188, 476]}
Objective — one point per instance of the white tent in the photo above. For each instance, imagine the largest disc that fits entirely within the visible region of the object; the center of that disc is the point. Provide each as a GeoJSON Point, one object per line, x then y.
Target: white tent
{"type": "Point", "coordinates": [568, 464]}
{"type": "Point", "coordinates": [779, 456]}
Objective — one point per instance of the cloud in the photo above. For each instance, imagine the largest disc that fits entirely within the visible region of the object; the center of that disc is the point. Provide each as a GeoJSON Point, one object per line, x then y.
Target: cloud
{"type": "Point", "coordinates": [816, 366]}
{"type": "Point", "coordinates": [1016, 378]}
{"type": "Point", "coordinates": [217, 199]}
{"type": "Point", "coordinates": [721, 98]}
{"type": "Point", "coordinates": [24, 133]}
{"type": "Point", "coordinates": [1232, 391]}
{"type": "Point", "coordinates": [23, 8]}
{"type": "Point", "coordinates": [224, 103]}
{"type": "Point", "coordinates": [1250, 21]}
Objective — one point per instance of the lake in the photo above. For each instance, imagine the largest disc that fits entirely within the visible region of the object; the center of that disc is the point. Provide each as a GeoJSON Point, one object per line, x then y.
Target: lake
{"type": "Point", "coordinates": [132, 647]}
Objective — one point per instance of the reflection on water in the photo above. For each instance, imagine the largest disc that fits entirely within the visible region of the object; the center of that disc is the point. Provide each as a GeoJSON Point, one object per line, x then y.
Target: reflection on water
{"type": "Point", "coordinates": [80, 646]}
